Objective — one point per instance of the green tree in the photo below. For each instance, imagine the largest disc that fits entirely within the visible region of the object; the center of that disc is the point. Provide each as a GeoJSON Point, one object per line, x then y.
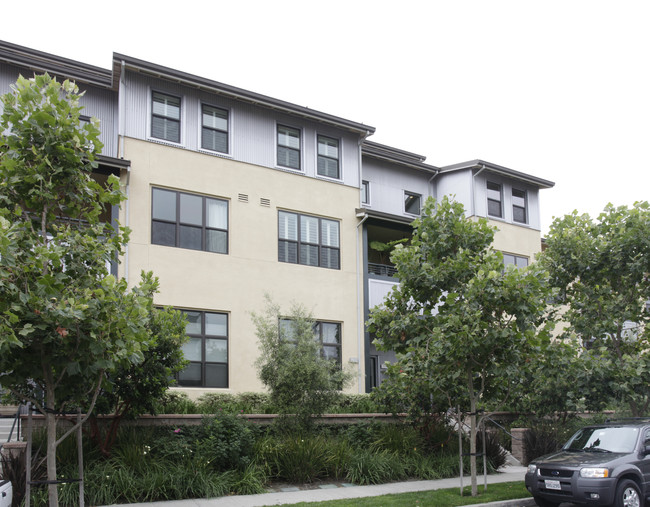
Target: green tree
{"type": "Point", "coordinates": [64, 321]}
{"type": "Point", "coordinates": [602, 270]}
{"type": "Point", "coordinates": [303, 383]}
{"type": "Point", "coordinates": [460, 321]}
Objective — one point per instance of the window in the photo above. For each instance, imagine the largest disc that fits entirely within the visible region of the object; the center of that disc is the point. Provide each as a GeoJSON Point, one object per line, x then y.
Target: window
{"type": "Point", "coordinates": [166, 117]}
{"type": "Point", "coordinates": [288, 147]}
{"type": "Point", "coordinates": [304, 239]}
{"type": "Point", "coordinates": [494, 199]}
{"type": "Point", "coordinates": [365, 192]}
{"type": "Point", "coordinates": [412, 203]}
{"type": "Point", "coordinates": [328, 157]}
{"type": "Point", "coordinates": [326, 334]}
{"type": "Point", "coordinates": [519, 206]}
{"type": "Point", "coordinates": [189, 221]}
{"type": "Point", "coordinates": [214, 129]}
{"type": "Point", "coordinates": [207, 350]}
{"type": "Point", "coordinates": [516, 260]}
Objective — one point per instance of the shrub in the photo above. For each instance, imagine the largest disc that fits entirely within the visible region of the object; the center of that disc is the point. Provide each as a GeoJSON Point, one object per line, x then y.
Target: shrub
{"type": "Point", "coordinates": [295, 458]}
{"type": "Point", "coordinates": [226, 442]}
{"type": "Point", "coordinates": [495, 453]}
{"type": "Point", "coordinates": [175, 402]}
{"type": "Point", "coordinates": [368, 467]}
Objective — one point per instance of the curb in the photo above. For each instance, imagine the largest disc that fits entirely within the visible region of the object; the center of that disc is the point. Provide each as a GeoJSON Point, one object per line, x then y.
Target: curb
{"type": "Point", "coordinates": [521, 502]}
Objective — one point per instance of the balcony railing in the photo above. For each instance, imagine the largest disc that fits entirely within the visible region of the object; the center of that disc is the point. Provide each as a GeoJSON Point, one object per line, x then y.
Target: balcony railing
{"type": "Point", "coordinates": [381, 269]}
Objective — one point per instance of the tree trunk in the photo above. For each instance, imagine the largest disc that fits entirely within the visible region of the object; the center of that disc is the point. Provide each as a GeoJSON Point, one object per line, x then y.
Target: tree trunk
{"type": "Point", "coordinates": [50, 418]}
{"type": "Point", "coordinates": [472, 433]}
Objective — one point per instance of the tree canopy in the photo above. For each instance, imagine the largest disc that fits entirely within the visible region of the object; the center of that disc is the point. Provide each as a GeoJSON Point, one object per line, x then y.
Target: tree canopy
{"type": "Point", "coordinates": [461, 322]}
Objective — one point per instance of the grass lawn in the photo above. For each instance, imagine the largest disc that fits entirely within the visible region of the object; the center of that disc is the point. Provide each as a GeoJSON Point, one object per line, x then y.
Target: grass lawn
{"type": "Point", "coordinates": [437, 498]}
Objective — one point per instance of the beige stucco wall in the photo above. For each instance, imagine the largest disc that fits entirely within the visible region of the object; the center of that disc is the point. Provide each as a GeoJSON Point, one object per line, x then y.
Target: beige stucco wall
{"type": "Point", "coordinates": [235, 283]}
{"type": "Point", "coordinates": [516, 239]}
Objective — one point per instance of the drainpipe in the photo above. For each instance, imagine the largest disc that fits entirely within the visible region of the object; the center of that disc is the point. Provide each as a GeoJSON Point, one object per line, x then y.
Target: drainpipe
{"type": "Point", "coordinates": [473, 196]}
{"type": "Point", "coordinates": [360, 323]}
{"type": "Point", "coordinates": [120, 140]}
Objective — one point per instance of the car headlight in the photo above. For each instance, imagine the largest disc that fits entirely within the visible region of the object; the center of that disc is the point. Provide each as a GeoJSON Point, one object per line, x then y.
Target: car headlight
{"type": "Point", "coordinates": [532, 469]}
{"type": "Point", "coordinates": [594, 472]}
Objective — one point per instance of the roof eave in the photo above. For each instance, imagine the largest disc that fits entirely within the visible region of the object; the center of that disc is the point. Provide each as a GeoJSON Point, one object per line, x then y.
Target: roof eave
{"type": "Point", "coordinates": [497, 169]}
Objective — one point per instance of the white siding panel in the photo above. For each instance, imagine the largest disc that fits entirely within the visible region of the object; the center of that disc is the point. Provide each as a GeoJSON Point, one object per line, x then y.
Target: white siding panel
{"type": "Point", "coordinates": [378, 290]}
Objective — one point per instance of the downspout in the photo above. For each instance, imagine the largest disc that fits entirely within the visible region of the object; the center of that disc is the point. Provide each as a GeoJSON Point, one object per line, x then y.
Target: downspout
{"type": "Point", "coordinates": [431, 192]}
{"type": "Point", "coordinates": [473, 193]}
{"type": "Point", "coordinates": [120, 140]}
{"type": "Point", "coordinates": [360, 323]}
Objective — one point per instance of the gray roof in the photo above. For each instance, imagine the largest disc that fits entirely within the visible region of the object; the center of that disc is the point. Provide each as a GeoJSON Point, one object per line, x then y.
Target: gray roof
{"type": "Point", "coordinates": [482, 165]}
{"type": "Point", "coordinates": [397, 156]}
{"type": "Point", "coordinates": [122, 61]}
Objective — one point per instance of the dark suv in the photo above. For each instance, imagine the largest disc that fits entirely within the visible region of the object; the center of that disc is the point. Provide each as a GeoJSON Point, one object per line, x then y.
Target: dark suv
{"type": "Point", "coordinates": [607, 464]}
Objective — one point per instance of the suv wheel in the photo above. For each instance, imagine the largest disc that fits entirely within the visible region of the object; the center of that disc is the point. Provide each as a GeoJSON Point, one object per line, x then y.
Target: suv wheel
{"type": "Point", "coordinates": [544, 503]}
{"type": "Point", "coordinates": [627, 494]}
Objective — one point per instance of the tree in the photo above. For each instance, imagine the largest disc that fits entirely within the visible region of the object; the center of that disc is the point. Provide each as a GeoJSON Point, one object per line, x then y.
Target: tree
{"type": "Point", "coordinates": [64, 321]}
{"type": "Point", "coordinates": [303, 383]}
{"type": "Point", "coordinates": [602, 270]}
{"type": "Point", "coordinates": [133, 389]}
{"type": "Point", "coordinates": [458, 319]}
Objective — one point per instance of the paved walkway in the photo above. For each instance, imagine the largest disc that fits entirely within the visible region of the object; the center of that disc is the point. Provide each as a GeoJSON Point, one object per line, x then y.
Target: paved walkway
{"type": "Point", "coordinates": [291, 495]}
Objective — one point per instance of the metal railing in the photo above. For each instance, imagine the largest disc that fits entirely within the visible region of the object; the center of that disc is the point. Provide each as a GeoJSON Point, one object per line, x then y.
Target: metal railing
{"type": "Point", "coordinates": [381, 269]}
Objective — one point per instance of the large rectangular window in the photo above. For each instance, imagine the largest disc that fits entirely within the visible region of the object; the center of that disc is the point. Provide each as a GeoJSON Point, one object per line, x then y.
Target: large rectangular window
{"type": "Point", "coordinates": [328, 157]}
{"type": "Point", "coordinates": [494, 200]}
{"type": "Point", "coordinates": [515, 260]}
{"type": "Point", "coordinates": [309, 240]}
{"type": "Point", "coordinates": [519, 208]}
{"type": "Point", "coordinates": [206, 350]}
{"type": "Point", "coordinates": [166, 117]}
{"type": "Point", "coordinates": [288, 147]}
{"type": "Point", "coordinates": [326, 334]}
{"type": "Point", "coordinates": [189, 221]}
{"type": "Point", "coordinates": [214, 129]}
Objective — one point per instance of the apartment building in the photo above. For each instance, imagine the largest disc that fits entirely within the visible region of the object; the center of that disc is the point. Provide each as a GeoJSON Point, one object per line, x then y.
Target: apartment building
{"type": "Point", "coordinates": [232, 195]}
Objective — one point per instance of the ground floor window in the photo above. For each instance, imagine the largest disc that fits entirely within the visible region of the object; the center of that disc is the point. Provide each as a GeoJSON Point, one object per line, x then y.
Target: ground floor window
{"type": "Point", "coordinates": [207, 350]}
{"type": "Point", "coordinates": [327, 334]}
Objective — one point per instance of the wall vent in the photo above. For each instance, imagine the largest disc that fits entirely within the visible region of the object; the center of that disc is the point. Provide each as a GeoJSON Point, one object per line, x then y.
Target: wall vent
{"type": "Point", "coordinates": [265, 202]}
{"type": "Point", "coordinates": [243, 197]}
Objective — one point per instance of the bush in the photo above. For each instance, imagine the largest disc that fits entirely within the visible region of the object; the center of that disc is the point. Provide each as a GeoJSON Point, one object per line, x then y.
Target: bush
{"type": "Point", "coordinates": [175, 402]}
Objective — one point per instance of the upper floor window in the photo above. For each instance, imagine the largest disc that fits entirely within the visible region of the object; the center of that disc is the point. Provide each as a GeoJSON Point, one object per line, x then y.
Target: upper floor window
{"type": "Point", "coordinates": [365, 192]}
{"type": "Point", "coordinates": [288, 147]}
{"type": "Point", "coordinates": [326, 334]}
{"type": "Point", "coordinates": [412, 203]}
{"type": "Point", "coordinates": [206, 350]}
{"type": "Point", "coordinates": [515, 260]}
{"type": "Point", "coordinates": [309, 240]}
{"type": "Point", "coordinates": [494, 198]}
{"type": "Point", "coordinates": [519, 212]}
{"type": "Point", "coordinates": [328, 157]}
{"type": "Point", "coordinates": [214, 129]}
{"type": "Point", "coordinates": [166, 117]}
{"type": "Point", "coordinates": [189, 221]}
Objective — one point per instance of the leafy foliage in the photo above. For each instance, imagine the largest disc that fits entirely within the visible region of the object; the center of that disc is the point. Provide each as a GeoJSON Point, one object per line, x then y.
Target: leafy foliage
{"type": "Point", "coordinates": [601, 268]}
{"type": "Point", "coordinates": [302, 383]}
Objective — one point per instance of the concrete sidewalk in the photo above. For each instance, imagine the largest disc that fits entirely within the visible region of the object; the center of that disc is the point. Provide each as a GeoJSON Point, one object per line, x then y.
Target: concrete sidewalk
{"type": "Point", "coordinates": [343, 491]}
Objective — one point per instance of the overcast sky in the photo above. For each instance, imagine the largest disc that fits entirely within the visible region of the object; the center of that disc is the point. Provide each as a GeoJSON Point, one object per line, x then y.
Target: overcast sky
{"type": "Point", "coordinates": [559, 89]}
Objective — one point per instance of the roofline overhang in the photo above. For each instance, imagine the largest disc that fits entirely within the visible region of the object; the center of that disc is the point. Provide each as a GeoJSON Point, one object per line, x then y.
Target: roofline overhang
{"type": "Point", "coordinates": [121, 62]}
{"type": "Point", "coordinates": [39, 62]}
{"type": "Point", "coordinates": [501, 170]}
{"type": "Point", "coordinates": [397, 156]}
{"type": "Point", "coordinates": [388, 217]}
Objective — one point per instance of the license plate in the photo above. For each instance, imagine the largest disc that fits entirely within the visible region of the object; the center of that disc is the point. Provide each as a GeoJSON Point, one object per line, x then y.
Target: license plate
{"type": "Point", "coordinates": [553, 485]}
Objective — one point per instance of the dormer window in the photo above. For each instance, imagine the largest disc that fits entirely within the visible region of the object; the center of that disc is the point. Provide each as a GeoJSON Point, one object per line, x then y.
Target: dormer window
{"type": "Point", "coordinates": [494, 199]}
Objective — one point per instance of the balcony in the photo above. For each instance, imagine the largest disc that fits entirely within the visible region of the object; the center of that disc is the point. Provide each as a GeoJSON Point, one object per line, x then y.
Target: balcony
{"type": "Point", "coordinates": [381, 269]}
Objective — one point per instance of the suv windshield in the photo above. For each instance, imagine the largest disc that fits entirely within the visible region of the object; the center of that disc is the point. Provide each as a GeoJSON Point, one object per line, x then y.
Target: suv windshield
{"type": "Point", "coordinates": [607, 439]}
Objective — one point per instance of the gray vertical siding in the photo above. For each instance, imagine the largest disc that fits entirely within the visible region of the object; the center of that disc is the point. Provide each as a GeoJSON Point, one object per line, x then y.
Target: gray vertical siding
{"type": "Point", "coordinates": [252, 129]}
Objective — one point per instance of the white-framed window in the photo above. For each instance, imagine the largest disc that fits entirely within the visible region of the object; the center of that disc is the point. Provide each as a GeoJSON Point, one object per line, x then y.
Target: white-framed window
{"type": "Point", "coordinates": [206, 350]}
{"type": "Point", "coordinates": [184, 220]}
{"type": "Point", "coordinates": [289, 146]}
{"type": "Point", "coordinates": [412, 203]}
{"type": "Point", "coordinates": [166, 117]}
{"type": "Point", "coordinates": [519, 206]}
{"type": "Point", "coordinates": [328, 157]}
{"type": "Point", "coordinates": [214, 128]}
{"type": "Point", "coordinates": [494, 199]}
{"type": "Point", "coordinates": [365, 192]}
{"type": "Point", "coordinates": [308, 240]}
{"type": "Point", "coordinates": [515, 260]}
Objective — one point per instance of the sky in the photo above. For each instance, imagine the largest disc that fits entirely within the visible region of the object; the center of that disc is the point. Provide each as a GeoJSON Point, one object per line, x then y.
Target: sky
{"type": "Point", "coordinates": [559, 89]}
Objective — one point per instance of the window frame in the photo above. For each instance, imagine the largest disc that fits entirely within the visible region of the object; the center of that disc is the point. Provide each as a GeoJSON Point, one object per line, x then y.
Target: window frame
{"type": "Point", "coordinates": [166, 118]}
{"type": "Point", "coordinates": [317, 328]}
{"type": "Point", "coordinates": [178, 224]}
{"type": "Point", "coordinates": [279, 146]}
{"type": "Point", "coordinates": [412, 195]}
{"type": "Point", "coordinates": [523, 209]}
{"type": "Point", "coordinates": [204, 362]}
{"type": "Point", "coordinates": [365, 192]}
{"type": "Point", "coordinates": [515, 260]}
{"type": "Point", "coordinates": [214, 129]}
{"type": "Point", "coordinates": [489, 199]}
{"type": "Point", "coordinates": [337, 159]}
{"type": "Point", "coordinates": [301, 245]}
